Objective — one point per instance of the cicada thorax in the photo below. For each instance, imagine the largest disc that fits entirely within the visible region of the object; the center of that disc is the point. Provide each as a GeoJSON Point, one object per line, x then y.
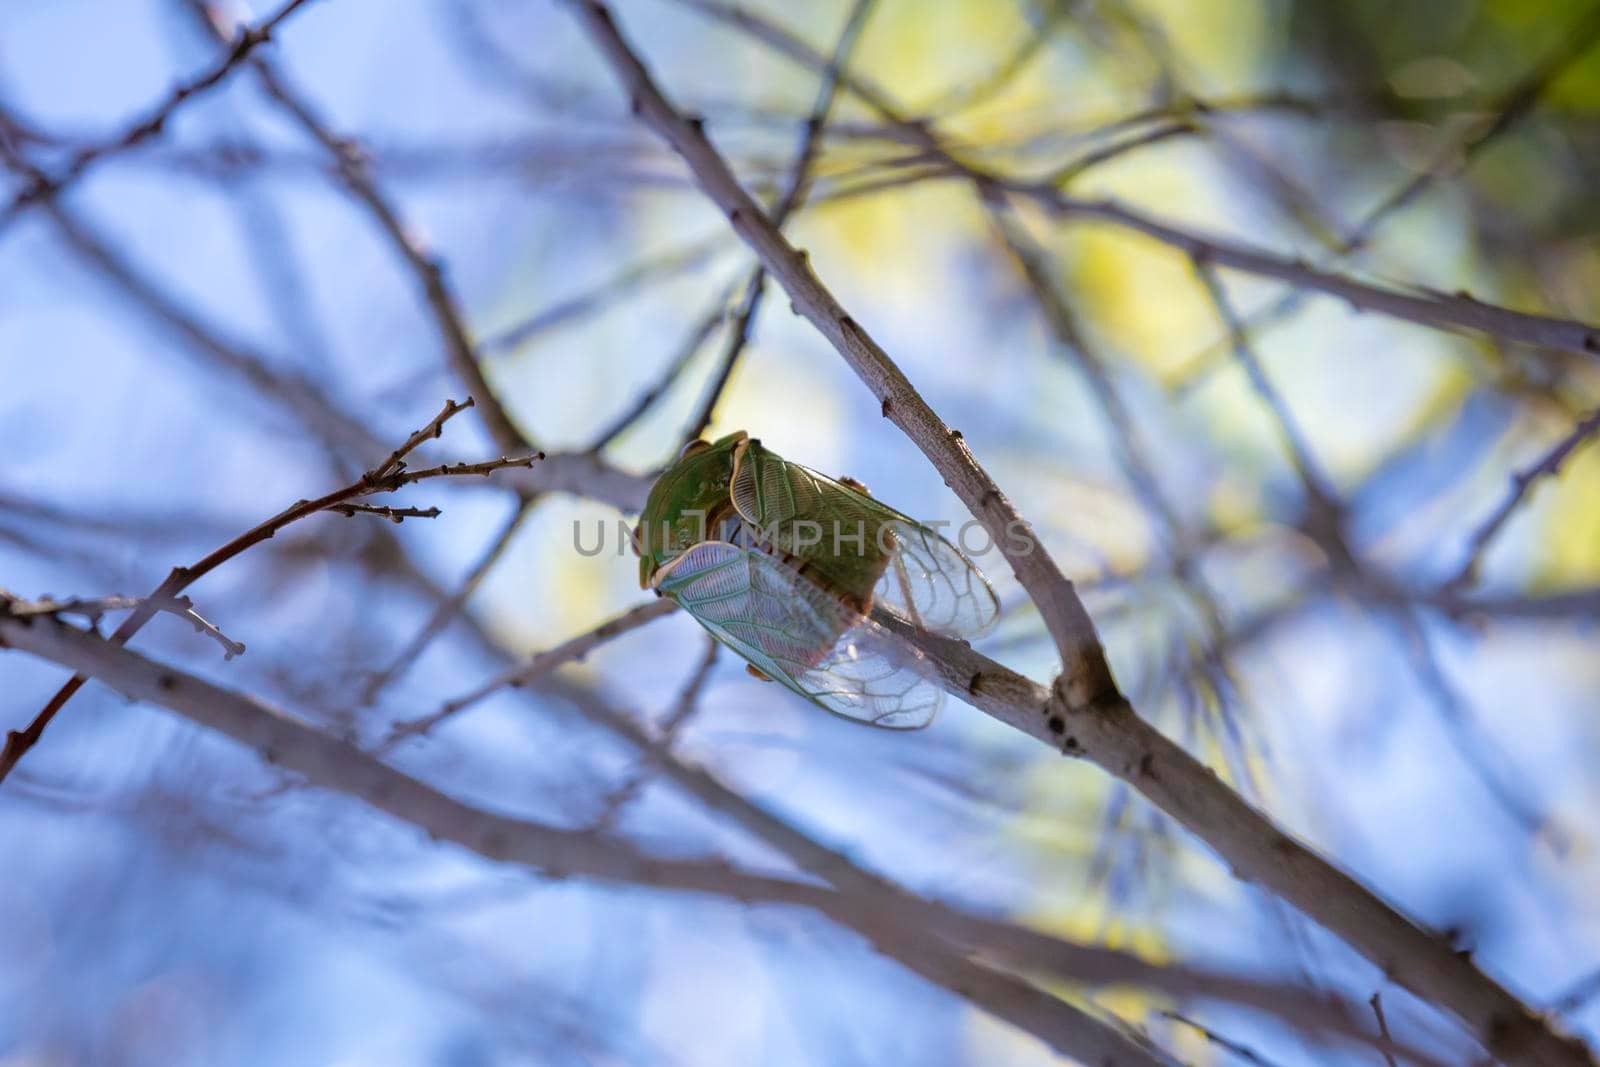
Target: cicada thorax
{"type": "Point", "coordinates": [684, 504]}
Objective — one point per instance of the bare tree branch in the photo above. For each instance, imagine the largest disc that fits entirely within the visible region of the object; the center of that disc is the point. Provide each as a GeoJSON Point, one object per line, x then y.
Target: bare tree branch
{"type": "Point", "coordinates": [898, 923]}
{"type": "Point", "coordinates": [679, 260]}
{"type": "Point", "coordinates": [1383, 1026]}
{"type": "Point", "coordinates": [683, 709]}
{"type": "Point", "coordinates": [1452, 313]}
{"type": "Point", "coordinates": [394, 515]}
{"type": "Point", "coordinates": [94, 609]}
{"type": "Point", "coordinates": [538, 666]}
{"type": "Point", "coordinates": [1512, 109]}
{"type": "Point", "coordinates": [689, 347]}
{"type": "Point", "coordinates": [386, 477]}
{"type": "Point", "coordinates": [1325, 523]}
{"type": "Point", "coordinates": [1522, 483]}
{"type": "Point", "coordinates": [1085, 708]}
{"type": "Point", "coordinates": [333, 764]}
{"type": "Point", "coordinates": [1579, 994]}
{"type": "Point", "coordinates": [1125, 440]}
{"type": "Point", "coordinates": [1086, 679]}
{"type": "Point", "coordinates": [446, 610]}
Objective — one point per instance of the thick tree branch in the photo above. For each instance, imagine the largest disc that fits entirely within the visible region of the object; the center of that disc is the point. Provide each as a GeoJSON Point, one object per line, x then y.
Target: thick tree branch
{"type": "Point", "coordinates": [330, 763]}
{"type": "Point", "coordinates": [1095, 718]}
{"type": "Point", "coordinates": [928, 937]}
{"type": "Point", "coordinates": [1086, 679]}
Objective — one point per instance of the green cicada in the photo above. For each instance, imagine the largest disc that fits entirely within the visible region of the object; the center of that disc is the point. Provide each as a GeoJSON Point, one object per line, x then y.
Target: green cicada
{"type": "Point", "coordinates": [784, 565]}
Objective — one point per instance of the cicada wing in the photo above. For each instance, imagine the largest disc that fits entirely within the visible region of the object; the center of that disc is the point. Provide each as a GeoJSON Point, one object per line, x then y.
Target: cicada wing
{"type": "Point", "coordinates": [926, 579]}
{"type": "Point", "coordinates": [932, 583]}
{"type": "Point", "coordinates": [798, 635]}
{"type": "Point", "coordinates": [871, 676]}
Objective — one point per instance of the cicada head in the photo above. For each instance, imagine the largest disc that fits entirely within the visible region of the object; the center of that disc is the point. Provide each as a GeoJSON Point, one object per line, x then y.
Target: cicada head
{"type": "Point", "coordinates": [684, 503]}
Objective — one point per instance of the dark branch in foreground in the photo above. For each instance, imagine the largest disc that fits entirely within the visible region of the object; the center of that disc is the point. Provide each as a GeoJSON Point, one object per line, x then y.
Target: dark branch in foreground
{"type": "Point", "coordinates": [933, 940]}
{"type": "Point", "coordinates": [331, 763]}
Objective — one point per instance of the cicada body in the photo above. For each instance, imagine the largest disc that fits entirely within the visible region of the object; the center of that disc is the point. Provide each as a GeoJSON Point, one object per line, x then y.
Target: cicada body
{"type": "Point", "coordinates": [783, 565]}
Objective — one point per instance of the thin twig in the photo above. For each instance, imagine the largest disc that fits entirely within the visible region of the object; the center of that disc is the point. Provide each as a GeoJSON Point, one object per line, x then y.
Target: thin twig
{"type": "Point", "coordinates": [1515, 105]}
{"type": "Point", "coordinates": [1243, 1052]}
{"type": "Point", "coordinates": [1522, 483]}
{"type": "Point", "coordinates": [1014, 946]}
{"type": "Point", "coordinates": [93, 609]}
{"type": "Point", "coordinates": [1021, 948]}
{"type": "Point", "coordinates": [1257, 850]}
{"type": "Point", "coordinates": [340, 431]}
{"type": "Point", "coordinates": [1087, 678]}
{"type": "Point", "coordinates": [482, 468]}
{"type": "Point", "coordinates": [688, 348]}
{"type": "Point", "coordinates": [1073, 341]}
{"type": "Point", "coordinates": [334, 428]}
{"type": "Point", "coordinates": [446, 609]}
{"type": "Point", "coordinates": [1116, 149]}
{"type": "Point", "coordinates": [683, 709]}
{"type": "Point", "coordinates": [394, 515]}
{"type": "Point", "coordinates": [1580, 993]}
{"type": "Point", "coordinates": [1015, 61]}
{"type": "Point", "coordinates": [1025, 949]}
{"type": "Point", "coordinates": [791, 199]}
{"type": "Point", "coordinates": [679, 260]}
{"type": "Point", "coordinates": [1488, 761]}
{"type": "Point", "coordinates": [432, 431]}
{"type": "Point", "coordinates": [1451, 313]}
{"type": "Point", "coordinates": [539, 665]}
{"type": "Point", "coordinates": [738, 337]}
{"type": "Point", "coordinates": [1324, 522]}
{"type": "Point", "coordinates": [1383, 1027]}
{"type": "Point", "coordinates": [18, 742]}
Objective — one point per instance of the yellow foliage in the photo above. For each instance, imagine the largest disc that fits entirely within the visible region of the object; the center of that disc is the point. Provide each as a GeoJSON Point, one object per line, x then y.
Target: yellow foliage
{"type": "Point", "coordinates": [1143, 296]}
{"type": "Point", "coordinates": [909, 43]}
{"type": "Point", "coordinates": [1213, 41]}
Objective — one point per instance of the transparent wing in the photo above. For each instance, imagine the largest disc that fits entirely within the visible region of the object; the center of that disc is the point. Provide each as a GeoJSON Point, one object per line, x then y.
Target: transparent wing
{"type": "Point", "coordinates": [933, 583]}
{"type": "Point", "coordinates": [927, 579]}
{"type": "Point", "coordinates": [801, 637]}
